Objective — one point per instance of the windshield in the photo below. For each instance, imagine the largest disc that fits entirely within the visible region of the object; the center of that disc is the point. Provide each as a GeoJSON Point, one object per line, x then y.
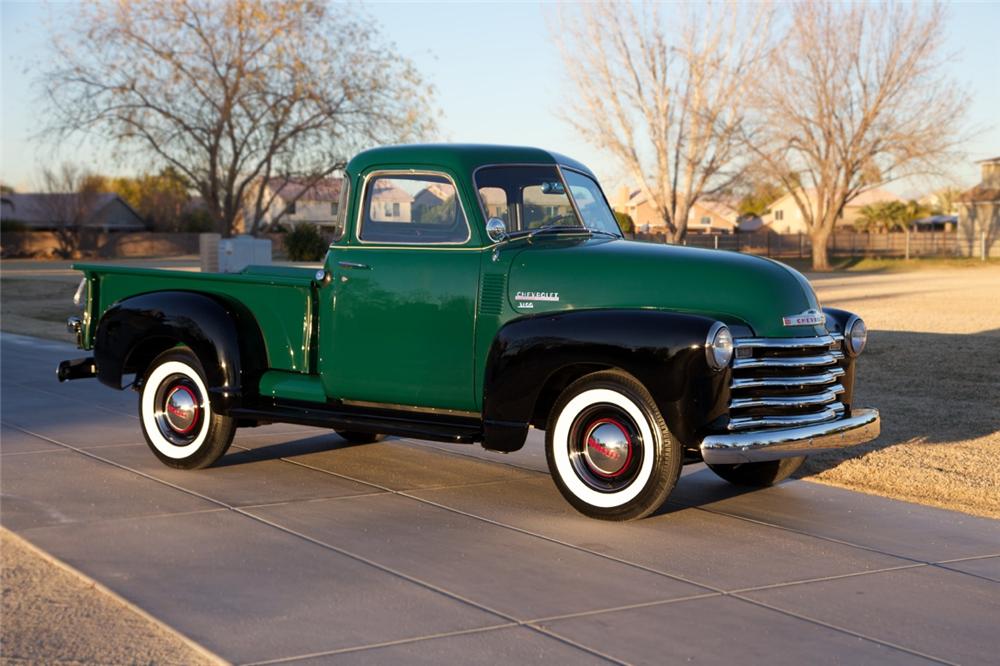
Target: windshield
{"type": "Point", "coordinates": [528, 198]}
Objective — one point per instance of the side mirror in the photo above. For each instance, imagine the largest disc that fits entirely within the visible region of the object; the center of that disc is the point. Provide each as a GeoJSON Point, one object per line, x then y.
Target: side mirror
{"type": "Point", "coordinates": [496, 229]}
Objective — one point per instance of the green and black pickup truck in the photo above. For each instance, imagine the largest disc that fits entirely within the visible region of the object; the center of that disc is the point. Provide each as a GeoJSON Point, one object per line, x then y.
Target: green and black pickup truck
{"type": "Point", "coordinates": [475, 292]}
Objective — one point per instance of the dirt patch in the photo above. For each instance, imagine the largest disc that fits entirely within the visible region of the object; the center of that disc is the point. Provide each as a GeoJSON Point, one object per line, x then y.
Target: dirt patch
{"type": "Point", "coordinates": [933, 368]}
{"type": "Point", "coordinates": [52, 614]}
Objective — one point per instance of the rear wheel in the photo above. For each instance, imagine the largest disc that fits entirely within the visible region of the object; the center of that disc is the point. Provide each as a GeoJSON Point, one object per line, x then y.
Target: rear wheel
{"type": "Point", "coordinates": [354, 437]}
{"type": "Point", "coordinates": [759, 474]}
{"type": "Point", "coordinates": [609, 450]}
{"type": "Point", "coordinates": [177, 418]}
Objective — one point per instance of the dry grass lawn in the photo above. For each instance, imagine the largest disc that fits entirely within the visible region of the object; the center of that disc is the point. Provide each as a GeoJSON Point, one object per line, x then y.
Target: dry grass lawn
{"type": "Point", "coordinates": [932, 367]}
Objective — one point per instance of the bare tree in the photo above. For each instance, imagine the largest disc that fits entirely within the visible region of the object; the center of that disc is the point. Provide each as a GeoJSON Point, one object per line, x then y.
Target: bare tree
{"type": "Point", "coordinates": [667, 105]}
{"type": "Point", "coordinates": [70, 200]}
{"type": "Point", "coordinates": [855, 97]}
{"type": "Point", "coordinates": [233, 92]}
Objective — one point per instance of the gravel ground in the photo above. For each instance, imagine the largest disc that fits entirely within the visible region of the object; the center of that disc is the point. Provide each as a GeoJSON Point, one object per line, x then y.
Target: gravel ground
{"type": "Point", "coordinates": [933, 368]}
{"type": "Point", "coordinates": [53, 614]}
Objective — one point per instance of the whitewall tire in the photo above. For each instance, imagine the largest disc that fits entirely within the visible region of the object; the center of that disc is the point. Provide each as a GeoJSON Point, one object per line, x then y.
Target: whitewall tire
{"type": "Point", "coordinates": [177, 418]}
{"type": "Point", "coordinates": [608, 449]}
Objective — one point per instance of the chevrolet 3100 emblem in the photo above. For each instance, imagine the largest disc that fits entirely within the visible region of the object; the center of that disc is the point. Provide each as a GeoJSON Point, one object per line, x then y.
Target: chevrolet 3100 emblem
{"type": "Point", "coordinates": [807, 318]}
{"type": "Point", "coordinates": [526, 299]}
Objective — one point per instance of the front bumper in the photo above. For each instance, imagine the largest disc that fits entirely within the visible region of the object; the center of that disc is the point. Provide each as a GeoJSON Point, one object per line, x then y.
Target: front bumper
{"type": "Point", "coordinates": [863, 425]}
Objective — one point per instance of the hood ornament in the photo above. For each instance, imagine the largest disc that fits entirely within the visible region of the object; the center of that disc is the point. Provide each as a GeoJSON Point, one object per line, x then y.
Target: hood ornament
{"type": "Point", "coordinates": [807, 318]}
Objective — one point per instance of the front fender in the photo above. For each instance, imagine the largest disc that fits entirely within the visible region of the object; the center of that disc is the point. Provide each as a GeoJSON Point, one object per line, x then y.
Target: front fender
{"type": "Point", "coordinates": [223, 336]}
{"type": "Point", "coordinates": [665, 351]}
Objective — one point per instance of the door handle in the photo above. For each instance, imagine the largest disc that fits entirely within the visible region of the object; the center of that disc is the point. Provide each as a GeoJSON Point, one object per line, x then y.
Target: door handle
{"type": "Point", "coordinates": [354, 264]}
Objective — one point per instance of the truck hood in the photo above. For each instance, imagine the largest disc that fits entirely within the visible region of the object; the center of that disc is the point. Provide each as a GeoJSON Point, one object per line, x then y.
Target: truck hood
{"type": "Point", "coordinates": [561, 274]}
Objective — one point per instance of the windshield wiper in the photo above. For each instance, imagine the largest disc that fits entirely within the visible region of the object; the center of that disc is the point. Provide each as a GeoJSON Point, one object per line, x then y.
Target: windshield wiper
{"type": "Point", "coordinates": [557, 227]}
{"type": "Point", "coordinates": [606, 233]}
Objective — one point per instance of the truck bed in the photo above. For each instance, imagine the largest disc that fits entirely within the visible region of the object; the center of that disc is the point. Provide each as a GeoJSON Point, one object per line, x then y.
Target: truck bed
{"type": "Point", "coordinates": [281, 299]}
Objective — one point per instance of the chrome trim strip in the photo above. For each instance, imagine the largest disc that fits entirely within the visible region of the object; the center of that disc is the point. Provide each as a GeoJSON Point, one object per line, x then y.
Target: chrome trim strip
{"type": "Point", "coordinates": [785, 343]}
{"type": "Point", "coordinates": [410, 408]}
{"type": "Point", "coordinates": [754, 422]}
{"type": "Point", "coordinates": [408, 172]}
{"type": "Point", "coordinates": [827, 377]}
{"type": "Point", "coordinates": [824, 398]}
{"type": "Point", "coordinates": [817, 361]}
{"type": "Point", "coordinates": [863, 425]}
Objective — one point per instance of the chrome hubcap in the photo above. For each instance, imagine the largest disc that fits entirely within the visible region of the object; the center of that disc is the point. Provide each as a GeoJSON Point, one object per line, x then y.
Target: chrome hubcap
{"type": "Point", "coordinates": [181, 410]}
{"type": "Point", "coordinates": [605, 448]}
{"type": "Point", "coordinates": [609, 448]}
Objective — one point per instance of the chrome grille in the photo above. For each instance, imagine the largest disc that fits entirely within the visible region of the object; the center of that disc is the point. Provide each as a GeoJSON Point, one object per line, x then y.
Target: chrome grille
{"type": "Point", "coordinates": [783, 382]}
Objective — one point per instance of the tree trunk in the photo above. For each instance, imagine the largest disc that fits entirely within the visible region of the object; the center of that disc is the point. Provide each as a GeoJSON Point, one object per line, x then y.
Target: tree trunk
{"type": "Point", "coordinates": [820, 251]}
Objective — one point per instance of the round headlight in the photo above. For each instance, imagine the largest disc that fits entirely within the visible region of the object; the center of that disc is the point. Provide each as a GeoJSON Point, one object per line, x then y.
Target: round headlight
{"type": "Point", "coordinates": [719, 346]}
{"type": "Point", "coordinates": [856, 336]}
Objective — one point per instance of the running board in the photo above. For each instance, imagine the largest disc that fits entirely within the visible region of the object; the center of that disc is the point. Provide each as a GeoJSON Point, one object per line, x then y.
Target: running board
{"type": "Point", "coordinates": [433, 426]}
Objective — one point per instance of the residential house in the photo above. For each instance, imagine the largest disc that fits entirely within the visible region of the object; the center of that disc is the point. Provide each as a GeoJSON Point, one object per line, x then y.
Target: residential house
{"type": "Point", "coordinates": [296, 202]}
{"type": "Point", "coordinates": [785, 217]}
{"type": "Point", "coordinates": [705, 216]}
{"type": "Point", "coordinates": [391, 203]}
{"type": "Point", "coordinates": [979, 209]}
{"type": "Point", "coordinates": [44, 211]}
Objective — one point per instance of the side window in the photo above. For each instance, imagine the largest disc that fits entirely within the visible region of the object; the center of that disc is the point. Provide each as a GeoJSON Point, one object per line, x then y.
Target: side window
{"type": "Point", "coordinates": [412, 208]}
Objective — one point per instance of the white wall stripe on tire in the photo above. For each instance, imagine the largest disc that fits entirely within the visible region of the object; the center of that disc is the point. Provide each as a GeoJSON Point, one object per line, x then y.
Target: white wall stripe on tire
{"type": "Point", "coordinates": [560, 448]}
{"type": "Point", "coordinates": [161, 443]}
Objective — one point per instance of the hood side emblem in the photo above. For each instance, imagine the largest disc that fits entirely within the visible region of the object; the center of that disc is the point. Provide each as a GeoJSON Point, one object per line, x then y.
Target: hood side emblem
{"type": "Point", "coordinates": [807, 318]}
{"type": "Point", "coordinates": [526, 299]}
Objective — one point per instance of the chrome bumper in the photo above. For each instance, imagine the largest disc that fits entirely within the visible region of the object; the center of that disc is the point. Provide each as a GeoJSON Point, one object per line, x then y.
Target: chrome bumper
{"type": "Point", "coordinates": [862, 426]}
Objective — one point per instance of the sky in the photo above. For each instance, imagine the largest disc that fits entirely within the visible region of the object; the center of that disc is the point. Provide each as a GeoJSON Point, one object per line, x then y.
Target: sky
{"type": "Point", "coordinates": [497, 74]}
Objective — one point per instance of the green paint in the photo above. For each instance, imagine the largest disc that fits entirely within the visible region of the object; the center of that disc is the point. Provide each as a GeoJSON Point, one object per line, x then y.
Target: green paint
{"type": "Point", "coordinates": [415, 327]}
{"type": "Point", "coordinates": [292, 385]}
{"type": "Point", "coordinates": [280, 302]}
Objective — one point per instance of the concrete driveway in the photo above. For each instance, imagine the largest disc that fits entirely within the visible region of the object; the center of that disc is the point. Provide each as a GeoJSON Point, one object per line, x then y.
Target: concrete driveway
{"type": "Point", "coordinates": [298, 547]}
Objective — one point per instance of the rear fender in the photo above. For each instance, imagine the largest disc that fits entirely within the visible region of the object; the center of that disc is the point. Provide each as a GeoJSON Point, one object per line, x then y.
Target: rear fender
{"type": "Point", "coordinates": [223, 335]}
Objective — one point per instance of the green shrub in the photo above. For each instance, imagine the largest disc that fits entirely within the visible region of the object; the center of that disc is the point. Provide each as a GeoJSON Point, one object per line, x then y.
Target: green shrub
{"type": "Point", "coordinates": [625, 222]}
{"type": "Point", "coordinates": [305, 243]}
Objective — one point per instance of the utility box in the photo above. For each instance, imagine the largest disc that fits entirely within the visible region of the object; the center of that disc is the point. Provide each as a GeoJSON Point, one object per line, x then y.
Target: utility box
{"type": "Point", "coordinates": [208, 248]}
{"type": "Point", "coordinates": [237, 253]}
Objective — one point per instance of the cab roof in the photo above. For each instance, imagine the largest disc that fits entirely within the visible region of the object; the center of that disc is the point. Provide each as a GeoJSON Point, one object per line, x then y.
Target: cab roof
{"type": "Point", "coordinates": [457, 157]}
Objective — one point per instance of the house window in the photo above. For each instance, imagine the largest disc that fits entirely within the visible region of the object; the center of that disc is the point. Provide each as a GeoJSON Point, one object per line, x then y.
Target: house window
{"type": "Point", "coordinates": [334, 206]}
{"type": "Point", "coordinates": [395, 209]}
{"type": "Point", "coordinates": [779, 215]}
{"type": "Point", "coordinates": [388, 209]}
{"type": "Point", "coordinates": [706, 221]}
{"type": "Point", "coordinates": [290, 208]}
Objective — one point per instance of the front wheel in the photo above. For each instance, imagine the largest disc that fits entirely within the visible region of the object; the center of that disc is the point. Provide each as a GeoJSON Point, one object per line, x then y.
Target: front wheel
{"type": "Point", "coordinates": [758, 474]}
{"type": "Point", "coordinates": [609, 449]}
{"type": "Point", "coordinates": [177, 418]}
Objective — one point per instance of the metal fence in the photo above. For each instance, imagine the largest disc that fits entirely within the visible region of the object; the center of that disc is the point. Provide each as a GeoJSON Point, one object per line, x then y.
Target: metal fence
{"type": "Point", "coordinates": [843, 244]}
